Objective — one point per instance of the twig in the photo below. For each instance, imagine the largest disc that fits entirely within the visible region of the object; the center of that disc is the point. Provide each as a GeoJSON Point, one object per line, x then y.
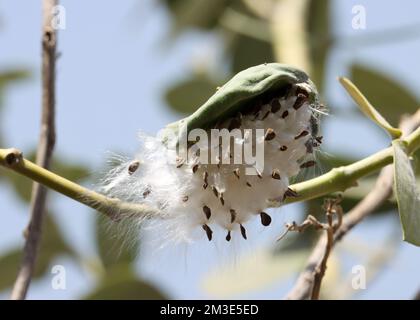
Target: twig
{"type": "Point", "coordinates": [44, 153]}
{"type": "Point", "coordinates": [338, 179]}
{"type": "Point", "coordinates": [379, 194]}
{"type": "Point", "coordinates": [332, 207]}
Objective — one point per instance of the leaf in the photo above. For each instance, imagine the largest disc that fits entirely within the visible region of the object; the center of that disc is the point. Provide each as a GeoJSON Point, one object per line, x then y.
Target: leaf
{"type": "Point", "coordinates": [391, 98]}
{"type": "Point", "coordinates": [114, 244]}
{"type": "Point", "coordinates": [6, 77]}
{"type": "Point", "coordinates": [122, 284]}
{"type": "Point", "coordinates": [187, 96]}
{"type": "Point", "coordinates": [52, 245]}
{"type": "Point", "coordinates": [368, 109]}
{"type": "Point", "coordinates": [248, 52]}
{"type": "Point", "coordinates": [253, 272]}
{"type": "Point", "coordinates": [407, 193]}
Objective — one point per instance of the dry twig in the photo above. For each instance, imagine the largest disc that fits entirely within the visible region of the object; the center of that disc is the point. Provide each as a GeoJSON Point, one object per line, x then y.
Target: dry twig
{"type": "Point", "coordinates": [44, 152]}
{"type": "Point", "coordinates": [374, 199]}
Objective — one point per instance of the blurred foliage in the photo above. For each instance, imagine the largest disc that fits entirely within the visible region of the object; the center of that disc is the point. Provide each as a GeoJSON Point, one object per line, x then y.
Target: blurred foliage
{"type": "Point", "coordinates": [117, 257]}
{"type": "Point", "coordinates": [388, 96]}
{"type": "Point", "coordinates": [248, 40]}
{"type": "Point", "coordinates": [121, 283]}
{"type": "Point", "coordinates": [52, 246]}
{"type": "Point", "coordinates": [185, 96]}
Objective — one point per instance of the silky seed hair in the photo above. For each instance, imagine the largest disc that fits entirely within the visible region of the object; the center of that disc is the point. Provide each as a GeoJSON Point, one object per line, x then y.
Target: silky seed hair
{"type": "Point", "coordinates": [198, 196]}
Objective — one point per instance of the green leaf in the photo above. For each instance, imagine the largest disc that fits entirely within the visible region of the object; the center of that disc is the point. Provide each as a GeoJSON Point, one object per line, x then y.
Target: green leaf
{"type": "Point", "coordinates": [185, 97]}
{"type": "Point", "coordinates": [122, 284]}
{"type": "Point", "coordinates": [253, 272]}
{"type": "Point", "coordinates": [407, 193]}
{"type": "Point", "coordinates": [52, 245]}
{"type": "Point", "coordinates": [391, 98]}
{"type": "Point", "coordinates": [368, 109]}
{"type": "Point", "coordinates": [7, 77]}
{"type": "Point", "coordinates": [115, 243]}
{"type": "Point", "coordinates": [248, 52]}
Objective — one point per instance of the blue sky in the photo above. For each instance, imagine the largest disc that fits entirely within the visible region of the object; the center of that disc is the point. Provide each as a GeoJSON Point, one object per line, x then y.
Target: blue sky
{"type": "Point", "coordinates": [115, 63]}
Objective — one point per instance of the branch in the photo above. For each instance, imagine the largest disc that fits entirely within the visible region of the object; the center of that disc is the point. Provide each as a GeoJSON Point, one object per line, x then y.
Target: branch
{"type": "Point", "coordinates": [44, 153]}
{"type": "Point", "coordinates": [379, 194]}
{"type": "Point", "coordinates": [338, 179]}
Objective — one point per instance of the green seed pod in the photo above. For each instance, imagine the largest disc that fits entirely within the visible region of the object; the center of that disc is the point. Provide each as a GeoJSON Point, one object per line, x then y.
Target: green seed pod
{"type": "Point", "coordinates": [244, 90]}
{"type": "Point", "coordinates": [198, 186]}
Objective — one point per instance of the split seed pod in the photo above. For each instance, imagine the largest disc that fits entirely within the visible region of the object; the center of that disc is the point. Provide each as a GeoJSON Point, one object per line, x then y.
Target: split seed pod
{"type": "Point", "coordinates": [279, 100]}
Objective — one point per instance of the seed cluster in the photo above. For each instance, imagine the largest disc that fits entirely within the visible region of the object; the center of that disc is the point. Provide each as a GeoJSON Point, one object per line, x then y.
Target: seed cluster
{"type": "Point", "coordinates": [196, 196]}
{"type": "Point", "coordinates": [221, 194]}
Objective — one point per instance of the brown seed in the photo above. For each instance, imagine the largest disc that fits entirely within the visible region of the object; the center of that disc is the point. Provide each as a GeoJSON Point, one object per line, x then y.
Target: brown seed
{"type": "Point", "coordinates": [208, 231]}
{"type": "Point", "coordinates": [146, 193]}
{"type": "Point", "coordinates": [285, 114]}
{"type": "Point", "coordinates": [214, 189]}
{"type": "Point", "coordinates": [248, 184]}
{"type": "Point", "coordinates": [243, 231]}
{"type": "Point", "coordinates": [275, 105]}
{"type": "Point", "coordinates": [222, 200]}
{"type": "Point", "coordinates": [302, 134]}
{"type": "Point", "coordinates": [283, 148]}
{"type": "Point", "coordinates": [319, 139]}
{"type": "Point", "coordinates": [303, 91]}
{"type": "Point", "coordinates": [269, 135]}
{"type": "Point", "coordinates": [290, 193]}
{"type": "Point", "coordinates": [205, 185]}
{"type": "Point", "coordinates": [207, 212]}
{"type": "Point", "coordinates": [133, 167]}
{"type": "Point", "coordinates": [300, 100]}
{"type": "Point", "coordinates": [308, 164]}
{"type": "Point", "coordinates": [205, 176]}
{"type": "Point", "coordinates": [232, 215]}
{"type": "Point", "coordinates": [195, 168]}
{"type": "Point", "coordinates": [276, 174]}
{"type": "Point", "coordinates": [265, 219]}
{"type": "Point", "coordinates": [266, 115]}
{"type": "Point", "coordinates": [179, 162]}
{"type": "Point", "coordinates": [236, 172]}
{"type": "Point", "coordinates": [184, 198]}
{"type": "Point", "coordinates": [228, 237]}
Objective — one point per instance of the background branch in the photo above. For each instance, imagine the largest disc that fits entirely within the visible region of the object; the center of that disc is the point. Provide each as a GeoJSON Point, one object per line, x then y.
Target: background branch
{"type": "Point", "coordinates": [44, 153]}
{"type": "Point", "coordinates": [379, 194]}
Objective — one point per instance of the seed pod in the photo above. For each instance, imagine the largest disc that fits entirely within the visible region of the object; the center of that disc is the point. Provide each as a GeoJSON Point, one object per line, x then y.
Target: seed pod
{"type": "Point", "coordinates": [276, 98]}
{"type": "Point", "coordinates": [243, 90]}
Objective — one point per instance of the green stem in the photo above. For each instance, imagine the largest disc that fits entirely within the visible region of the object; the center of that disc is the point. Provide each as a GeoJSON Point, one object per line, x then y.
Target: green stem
{"type": "Point", "coordinates": [12, 159]}
{"type": "Point", "coordinates": [342, 178]}
{"type": "Point", "coordinates": [338, 179]}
